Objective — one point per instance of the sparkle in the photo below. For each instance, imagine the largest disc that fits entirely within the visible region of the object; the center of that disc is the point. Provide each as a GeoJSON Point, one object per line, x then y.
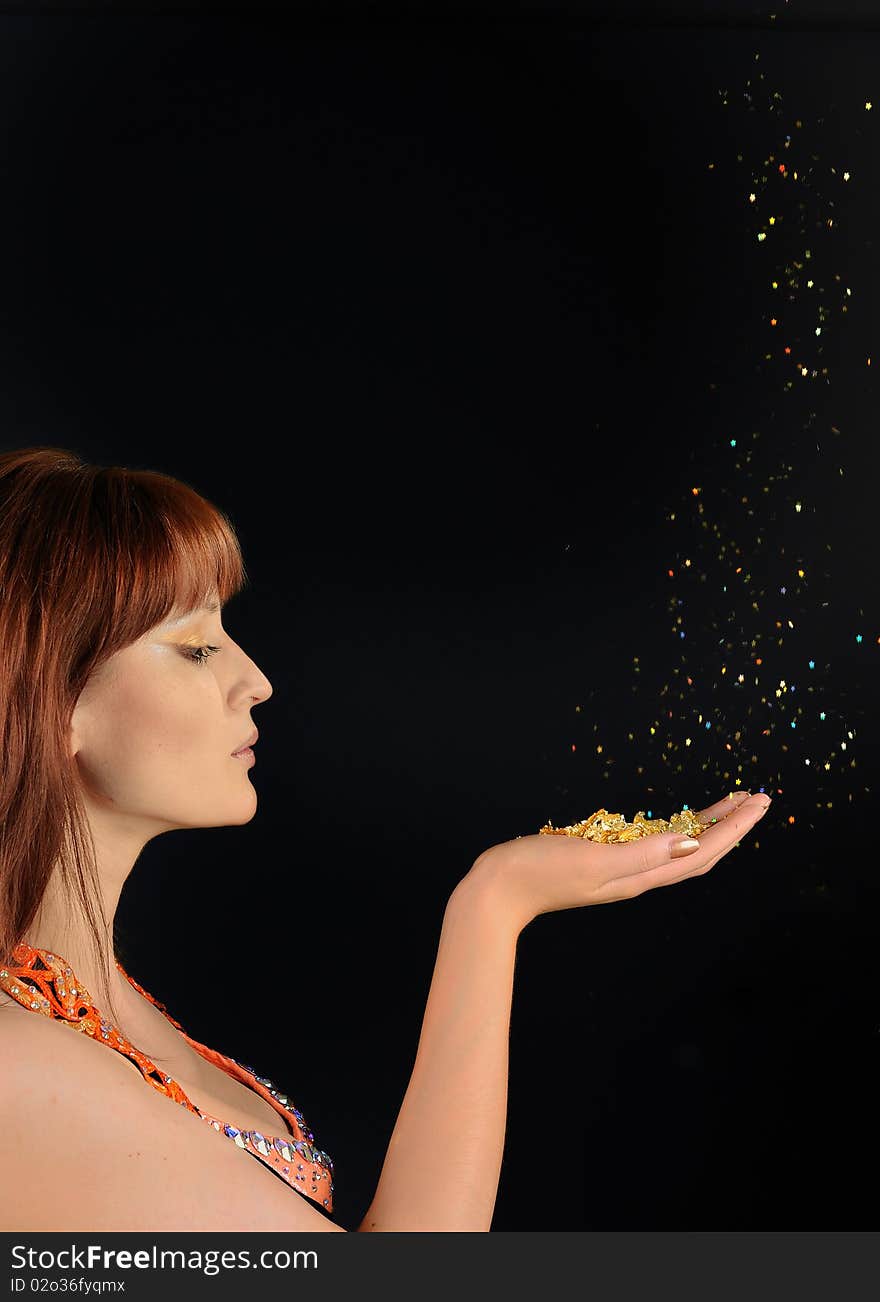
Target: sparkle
{"type": "Point", "coordinates": [719, 712]}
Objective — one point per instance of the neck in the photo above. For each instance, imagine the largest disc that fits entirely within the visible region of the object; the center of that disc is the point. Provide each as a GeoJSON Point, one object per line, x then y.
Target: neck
{"type": "Point", "coordinates": [60, 928]}
{"type": "Point", "coordinates": [75, 945]}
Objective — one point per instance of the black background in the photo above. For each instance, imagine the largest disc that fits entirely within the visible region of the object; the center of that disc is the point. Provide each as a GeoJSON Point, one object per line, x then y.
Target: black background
{"type": "Point", "coordinates": [448, 311]}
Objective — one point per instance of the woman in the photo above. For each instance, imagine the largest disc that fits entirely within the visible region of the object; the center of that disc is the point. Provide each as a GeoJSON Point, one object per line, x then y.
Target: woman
{"type": "Point", "coordinates": [124, 707]}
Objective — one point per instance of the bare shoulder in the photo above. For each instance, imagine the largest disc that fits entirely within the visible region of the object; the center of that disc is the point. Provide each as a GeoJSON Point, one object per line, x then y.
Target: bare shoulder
{"type": "Point", "coordinates": [87, 1144]}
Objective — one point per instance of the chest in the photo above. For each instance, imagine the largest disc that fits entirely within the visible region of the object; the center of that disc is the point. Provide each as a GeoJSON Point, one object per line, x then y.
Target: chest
{"type": "Point", "coordinates": [208, 1086]}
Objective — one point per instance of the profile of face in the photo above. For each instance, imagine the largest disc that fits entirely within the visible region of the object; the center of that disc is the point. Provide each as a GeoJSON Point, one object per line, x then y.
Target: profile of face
{"type": "Point", "coordinates": [154, 729]}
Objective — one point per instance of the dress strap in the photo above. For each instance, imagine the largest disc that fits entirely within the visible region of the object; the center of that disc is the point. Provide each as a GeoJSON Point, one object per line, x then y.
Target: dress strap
{"type": "Point", "coordinates": [44, 982]}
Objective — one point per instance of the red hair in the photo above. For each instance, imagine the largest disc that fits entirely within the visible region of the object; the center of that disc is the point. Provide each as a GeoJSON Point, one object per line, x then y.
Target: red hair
{"type": "Point", "coordinates": [91, 558]}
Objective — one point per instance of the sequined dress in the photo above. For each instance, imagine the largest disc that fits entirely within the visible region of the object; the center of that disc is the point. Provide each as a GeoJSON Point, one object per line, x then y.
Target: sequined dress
{"type": "Point", "coordinates": [41, 980]}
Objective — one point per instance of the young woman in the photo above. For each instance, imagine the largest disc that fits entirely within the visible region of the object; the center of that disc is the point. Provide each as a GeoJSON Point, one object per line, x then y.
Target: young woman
{"type": "Point", "coordinates": [124, 710]}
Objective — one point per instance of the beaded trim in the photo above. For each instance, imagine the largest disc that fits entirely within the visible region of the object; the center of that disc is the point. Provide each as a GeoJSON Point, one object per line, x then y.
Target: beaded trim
{"type": "Point", "coordinates": [44, 982]}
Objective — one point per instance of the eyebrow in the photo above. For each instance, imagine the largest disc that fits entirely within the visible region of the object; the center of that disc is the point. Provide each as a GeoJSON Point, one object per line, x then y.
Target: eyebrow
{"type": "Point", "coordinates": [212, 609]}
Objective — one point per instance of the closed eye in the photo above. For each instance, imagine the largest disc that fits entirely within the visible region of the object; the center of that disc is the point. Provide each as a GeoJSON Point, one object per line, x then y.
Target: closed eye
{"type": "Point", "coordinates": [200, 654]}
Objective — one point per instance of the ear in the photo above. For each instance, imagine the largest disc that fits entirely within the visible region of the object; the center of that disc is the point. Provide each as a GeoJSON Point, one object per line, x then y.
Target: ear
{"type": "Point", "coordinates": [76, 732]}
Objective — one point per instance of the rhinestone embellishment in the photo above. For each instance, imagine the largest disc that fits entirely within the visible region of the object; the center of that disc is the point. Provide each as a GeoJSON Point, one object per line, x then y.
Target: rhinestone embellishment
{"type": "Point", "coordinates": [42, 981]}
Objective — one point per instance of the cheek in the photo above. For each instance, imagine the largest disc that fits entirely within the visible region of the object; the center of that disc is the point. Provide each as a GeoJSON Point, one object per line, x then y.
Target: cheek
{"type": "Point", "coordinates": [141, 733]}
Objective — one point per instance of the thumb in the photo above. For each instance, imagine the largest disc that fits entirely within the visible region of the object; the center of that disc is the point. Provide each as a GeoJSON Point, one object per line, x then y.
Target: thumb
{"type": "Point", "coordinates": [679, 846]}
{"type": "Point", "coordinates": [649, 852]}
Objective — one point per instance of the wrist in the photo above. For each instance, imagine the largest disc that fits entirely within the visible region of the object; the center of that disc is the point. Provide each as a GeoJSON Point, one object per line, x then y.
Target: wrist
{"type": "Point", "coordinates": [483, 894]}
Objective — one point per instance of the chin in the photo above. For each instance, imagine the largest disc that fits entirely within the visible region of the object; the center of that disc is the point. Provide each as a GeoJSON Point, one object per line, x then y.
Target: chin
{"type": "Point", "coordinates": [247, 813]}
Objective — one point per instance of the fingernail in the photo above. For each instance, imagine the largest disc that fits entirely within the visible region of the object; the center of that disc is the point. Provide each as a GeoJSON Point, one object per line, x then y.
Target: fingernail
{"type": "Point", "coordinates": [765, 803]}
{"type": "Point", "coordinates": [685, 846]}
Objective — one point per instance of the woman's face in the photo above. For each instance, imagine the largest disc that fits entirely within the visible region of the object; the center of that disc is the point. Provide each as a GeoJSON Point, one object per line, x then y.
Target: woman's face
{"type": "Point", "coordinates": [154, 730]}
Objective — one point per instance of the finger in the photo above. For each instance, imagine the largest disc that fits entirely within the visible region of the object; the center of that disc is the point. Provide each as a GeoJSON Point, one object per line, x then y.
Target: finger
{"type": "Point", "coordinates": [642, 865]}
{"type": "Point", "coordinates": [700, 869]}
{"type": "Point", "coordinates": [722, 836]}
{"type": "Point", "coordinates": [646, 853]}
{"type": "Point", "coordinates": [721, 808]}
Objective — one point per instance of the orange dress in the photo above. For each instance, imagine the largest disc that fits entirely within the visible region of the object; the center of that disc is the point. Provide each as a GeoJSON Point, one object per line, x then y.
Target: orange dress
{"type": "Point", "coordinates": [41, 980]}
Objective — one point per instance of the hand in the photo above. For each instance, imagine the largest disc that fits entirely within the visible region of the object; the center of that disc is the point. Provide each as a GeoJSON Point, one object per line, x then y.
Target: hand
{"type": "Point", "coordinates": [541, 873]}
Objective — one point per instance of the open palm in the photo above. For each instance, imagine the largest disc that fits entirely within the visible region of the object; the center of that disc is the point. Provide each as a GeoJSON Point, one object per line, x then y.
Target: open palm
{"type": "Point", "coordinates": [541, 874]}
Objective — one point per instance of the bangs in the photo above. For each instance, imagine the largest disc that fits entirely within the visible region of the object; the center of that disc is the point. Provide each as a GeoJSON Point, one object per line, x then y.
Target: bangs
{"type": "Point", "coordinates": [206, 570]}
{"type": "Point", "coordinates": [185, 554]}
{"type": "Point", "coordinates": [94, 557]}
{"type": "Point", "coordinates": [146, 548]}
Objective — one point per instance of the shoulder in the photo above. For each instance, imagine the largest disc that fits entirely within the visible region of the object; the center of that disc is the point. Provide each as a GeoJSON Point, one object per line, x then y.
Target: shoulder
{"type": "Point", "coordinates": [86, 1143]}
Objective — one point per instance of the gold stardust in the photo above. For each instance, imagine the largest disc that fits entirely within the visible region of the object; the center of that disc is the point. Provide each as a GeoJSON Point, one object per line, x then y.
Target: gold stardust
{"type": "Point", "coordinates": [607, 828]}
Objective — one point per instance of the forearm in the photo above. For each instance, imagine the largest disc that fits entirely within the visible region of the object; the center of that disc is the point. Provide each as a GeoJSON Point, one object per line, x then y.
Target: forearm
{"type": "Point", "coordinates": [444, 1157]}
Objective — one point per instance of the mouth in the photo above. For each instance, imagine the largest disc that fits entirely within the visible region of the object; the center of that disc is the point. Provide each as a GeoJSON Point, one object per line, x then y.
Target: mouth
{"type": "Point", "coordinates": [245, 747]}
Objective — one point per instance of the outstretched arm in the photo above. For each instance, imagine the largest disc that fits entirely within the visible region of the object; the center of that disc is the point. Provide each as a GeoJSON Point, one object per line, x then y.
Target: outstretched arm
{"type": "Point", "coordinates": [443, 1162]}
{"type": "Point", "coordinates": [444, 1157]}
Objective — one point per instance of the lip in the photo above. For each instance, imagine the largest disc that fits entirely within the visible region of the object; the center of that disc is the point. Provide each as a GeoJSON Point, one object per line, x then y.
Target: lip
{"type": "Point", "coordinates": [249, 741]}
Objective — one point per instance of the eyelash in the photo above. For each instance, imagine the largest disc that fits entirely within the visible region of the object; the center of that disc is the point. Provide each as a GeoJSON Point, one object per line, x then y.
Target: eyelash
{"type": "Point", "coordinates": [200, 654]}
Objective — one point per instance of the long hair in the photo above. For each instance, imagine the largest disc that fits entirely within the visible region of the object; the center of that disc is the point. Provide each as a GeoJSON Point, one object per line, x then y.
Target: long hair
{"type": "Point", "coordinates": [91, 558]}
